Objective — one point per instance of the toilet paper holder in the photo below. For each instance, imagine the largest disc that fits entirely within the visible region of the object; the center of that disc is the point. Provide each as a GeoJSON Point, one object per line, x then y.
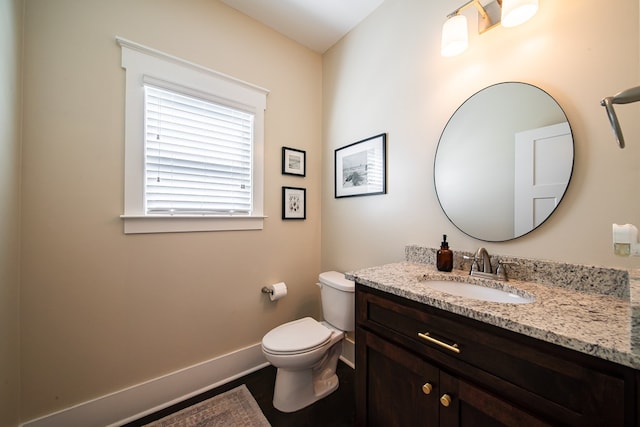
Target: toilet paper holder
{"type": "Point", "coordinates": [276, 291]}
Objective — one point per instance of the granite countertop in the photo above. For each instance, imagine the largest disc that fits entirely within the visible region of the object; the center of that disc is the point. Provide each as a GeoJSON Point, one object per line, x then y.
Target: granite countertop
{"type": "Point", "coordinates": [592, 323]}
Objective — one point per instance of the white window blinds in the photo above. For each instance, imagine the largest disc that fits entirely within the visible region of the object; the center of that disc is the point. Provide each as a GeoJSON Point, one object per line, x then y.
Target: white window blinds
{"type": "Point", "coordinates": [198, 155]}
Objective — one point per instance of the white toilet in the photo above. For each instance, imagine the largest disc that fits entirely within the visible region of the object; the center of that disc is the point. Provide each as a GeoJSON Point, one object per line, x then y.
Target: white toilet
{"type": "Point", "coordinates": [306, 351]}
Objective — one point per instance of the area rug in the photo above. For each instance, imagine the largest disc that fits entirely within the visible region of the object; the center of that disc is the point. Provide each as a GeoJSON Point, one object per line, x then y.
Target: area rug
{"type": "Point", "coordinates": [236, 407]}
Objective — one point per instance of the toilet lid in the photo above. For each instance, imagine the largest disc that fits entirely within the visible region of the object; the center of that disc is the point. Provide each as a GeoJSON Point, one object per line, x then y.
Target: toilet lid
{"type": "Point", "coordinates": [296, 336]}
{"type": "Point", "coordinates": [337, 281]}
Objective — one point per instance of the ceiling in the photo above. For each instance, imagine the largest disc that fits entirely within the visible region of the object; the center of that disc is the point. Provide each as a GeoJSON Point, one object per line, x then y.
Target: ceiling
{"type": "Point", "coordinates": [316, 24]}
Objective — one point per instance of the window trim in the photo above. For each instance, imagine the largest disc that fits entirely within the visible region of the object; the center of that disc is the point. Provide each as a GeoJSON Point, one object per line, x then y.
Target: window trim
{"type": "Point", "coordinates": [143, 63]}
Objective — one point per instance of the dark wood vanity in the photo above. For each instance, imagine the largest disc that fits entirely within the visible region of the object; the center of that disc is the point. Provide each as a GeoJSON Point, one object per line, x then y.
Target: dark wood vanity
{"type": "Point", "coordinates": [418, 365]}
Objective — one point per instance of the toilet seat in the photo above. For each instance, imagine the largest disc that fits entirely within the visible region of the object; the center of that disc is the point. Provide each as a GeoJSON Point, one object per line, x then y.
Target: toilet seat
{"type": "Point", "coordinates": [295, 337]}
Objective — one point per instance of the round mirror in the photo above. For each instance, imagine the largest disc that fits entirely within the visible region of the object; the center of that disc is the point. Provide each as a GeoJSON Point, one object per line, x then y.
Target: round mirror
{"type": "Point", "coordinates": [504, 161]}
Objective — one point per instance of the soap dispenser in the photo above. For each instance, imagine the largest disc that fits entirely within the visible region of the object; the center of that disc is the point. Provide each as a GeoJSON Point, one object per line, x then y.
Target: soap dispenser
{"type": "Point", "coordinates": [444, 257]}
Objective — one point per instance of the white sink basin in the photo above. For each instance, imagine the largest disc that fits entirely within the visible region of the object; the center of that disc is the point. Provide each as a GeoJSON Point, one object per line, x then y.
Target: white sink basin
{"type": "Point", "coordinates": [483, 293]}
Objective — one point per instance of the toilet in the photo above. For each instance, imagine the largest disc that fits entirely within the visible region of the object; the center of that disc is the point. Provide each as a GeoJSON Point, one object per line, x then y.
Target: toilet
{"type": "Point", "coordinates": [306, 351]}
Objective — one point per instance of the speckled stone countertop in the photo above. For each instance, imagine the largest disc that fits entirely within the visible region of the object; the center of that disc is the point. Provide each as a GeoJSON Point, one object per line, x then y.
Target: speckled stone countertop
{"type": "Point", "coordinates": [597, 318]}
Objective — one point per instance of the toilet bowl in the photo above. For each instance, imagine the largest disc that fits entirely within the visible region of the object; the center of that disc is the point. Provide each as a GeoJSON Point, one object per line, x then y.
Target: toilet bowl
{"type": "Point", "coordinates": [306, 351]}
{"type": "Point", "coordinates": [304, 375]}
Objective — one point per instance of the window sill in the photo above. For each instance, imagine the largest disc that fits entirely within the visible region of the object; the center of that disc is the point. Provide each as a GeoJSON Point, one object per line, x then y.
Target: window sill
{"type": "Point", "coordinates": [139, 224]}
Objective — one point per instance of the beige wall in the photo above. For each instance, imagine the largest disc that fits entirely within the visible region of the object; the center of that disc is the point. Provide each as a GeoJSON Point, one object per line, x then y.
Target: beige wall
{"type": "Point", "coordinates": [10, 87]}
{"type": "Point", "coordinates": [388, 76]}
{"type": "Point", "coordinates": [101, 310]}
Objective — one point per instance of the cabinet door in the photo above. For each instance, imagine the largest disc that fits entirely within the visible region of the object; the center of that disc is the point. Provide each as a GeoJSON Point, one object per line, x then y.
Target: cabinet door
{"type": "Point", "coordinates": [395, 387]}
{"type": "Point", "coordinates": [465, 405]}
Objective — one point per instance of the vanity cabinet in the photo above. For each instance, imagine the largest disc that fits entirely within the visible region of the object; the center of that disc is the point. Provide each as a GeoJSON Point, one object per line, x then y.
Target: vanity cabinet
{"type": "Point", "coordinates": [417, 365]}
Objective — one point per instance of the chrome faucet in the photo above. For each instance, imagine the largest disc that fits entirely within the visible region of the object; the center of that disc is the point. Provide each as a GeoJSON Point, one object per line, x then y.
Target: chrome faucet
{"type": "Point", "coordinates": [483, 256]}
{"type": "Point", "coordinates": [481, 266]}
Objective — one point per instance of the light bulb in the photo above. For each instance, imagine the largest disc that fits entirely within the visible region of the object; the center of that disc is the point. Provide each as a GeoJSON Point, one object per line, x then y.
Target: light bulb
{"type": "Point", "coordinates": [516, 12]}
{"type": "Point", "coordinates": [455, 37]}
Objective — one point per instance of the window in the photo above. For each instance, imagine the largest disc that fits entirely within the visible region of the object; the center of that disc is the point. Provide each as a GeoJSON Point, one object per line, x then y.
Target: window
{"type": "Point", "coordinates": [197, 155]}
{"type": "Point", "coordinates": [193, 146]}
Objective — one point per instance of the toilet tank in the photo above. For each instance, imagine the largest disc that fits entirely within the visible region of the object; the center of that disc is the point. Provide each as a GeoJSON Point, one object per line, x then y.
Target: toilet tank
{"type": "Point", "coordinates": [338, 300]}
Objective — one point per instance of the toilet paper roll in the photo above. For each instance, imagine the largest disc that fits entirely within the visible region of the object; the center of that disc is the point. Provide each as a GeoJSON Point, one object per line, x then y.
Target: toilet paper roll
{"type": "Point", "coordinates": [279, 291]}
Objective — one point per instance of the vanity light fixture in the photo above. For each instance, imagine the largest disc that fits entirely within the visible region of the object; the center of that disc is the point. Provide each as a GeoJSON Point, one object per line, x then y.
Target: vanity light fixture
{"type": "Point", "coordinates": [510, 13]}
{"type": "Point", "coordinates": [516, 12]}
{"type": "Point", "coordinates": [455, 38]}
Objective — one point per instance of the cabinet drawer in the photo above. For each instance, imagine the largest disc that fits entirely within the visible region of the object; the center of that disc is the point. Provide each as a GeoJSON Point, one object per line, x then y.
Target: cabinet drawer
{"type": "Point", "coordinates": [566, 386]}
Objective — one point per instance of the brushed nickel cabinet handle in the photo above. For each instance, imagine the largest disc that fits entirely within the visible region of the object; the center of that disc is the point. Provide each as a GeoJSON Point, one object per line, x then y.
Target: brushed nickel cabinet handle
{"type": "Point", "coordinates": [453, 347]}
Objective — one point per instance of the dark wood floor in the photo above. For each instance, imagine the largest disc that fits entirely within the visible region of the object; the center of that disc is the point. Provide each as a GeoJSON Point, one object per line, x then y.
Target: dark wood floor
{"type": "Point", "coordinates": [336, 410]}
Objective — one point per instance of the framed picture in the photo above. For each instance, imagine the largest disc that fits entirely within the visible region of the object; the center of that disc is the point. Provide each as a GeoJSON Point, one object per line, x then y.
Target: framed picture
{"type": "Point", "coordinates": [293, 161]}
{"type": "Point", "coordinates": [294, 203]}
{"type": "Point", "coordinates": [360, 168]}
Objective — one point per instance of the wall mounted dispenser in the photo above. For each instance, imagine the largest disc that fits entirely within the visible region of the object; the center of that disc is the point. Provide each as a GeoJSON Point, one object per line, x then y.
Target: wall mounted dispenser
{"type": "Point", "coordinates": [625, 240]}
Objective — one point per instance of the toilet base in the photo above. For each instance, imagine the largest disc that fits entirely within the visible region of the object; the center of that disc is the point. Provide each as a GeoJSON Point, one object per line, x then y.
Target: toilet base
{"type": "Point", "coordinates": [298, 389]}
{"type": "Point", "coordinates": [289, 398]}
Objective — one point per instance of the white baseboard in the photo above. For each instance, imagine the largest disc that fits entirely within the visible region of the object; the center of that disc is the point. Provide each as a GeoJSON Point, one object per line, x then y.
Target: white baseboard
{"type": "Point", "coordinates": [137, 401]}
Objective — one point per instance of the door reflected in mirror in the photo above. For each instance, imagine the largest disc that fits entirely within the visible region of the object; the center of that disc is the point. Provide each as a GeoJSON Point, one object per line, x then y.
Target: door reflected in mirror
{"type": "Point", "coordinates": [504, 161]}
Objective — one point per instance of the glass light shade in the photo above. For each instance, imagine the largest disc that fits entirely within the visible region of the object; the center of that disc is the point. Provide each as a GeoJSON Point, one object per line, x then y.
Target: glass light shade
{"type": "Point", "coordinates": [455, 37]}
{"type": "Point", "coordinates": [516, 12]}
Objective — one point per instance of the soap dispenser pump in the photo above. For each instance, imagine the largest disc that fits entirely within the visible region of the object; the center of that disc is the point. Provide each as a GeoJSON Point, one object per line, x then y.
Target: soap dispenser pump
{"type": "Point", "coordinates": [444, 257]}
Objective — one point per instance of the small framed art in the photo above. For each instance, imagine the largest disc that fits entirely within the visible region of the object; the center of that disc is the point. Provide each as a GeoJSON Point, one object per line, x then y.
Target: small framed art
{"type": "Point", "coordinates": [360, 168]}
{"type": "Point", "coordinates": [293, 161]}
{"type": "Point", "coordinates": [294, 203]}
